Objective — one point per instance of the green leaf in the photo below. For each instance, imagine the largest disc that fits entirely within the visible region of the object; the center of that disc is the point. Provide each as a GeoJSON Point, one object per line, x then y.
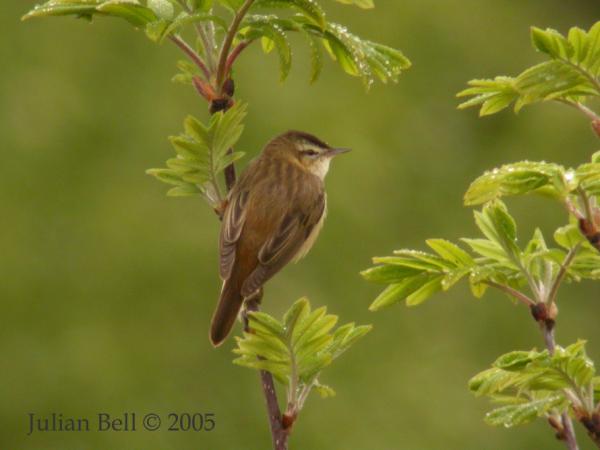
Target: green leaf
{"type": "Point", "coordinates": [568, 236]}
{"type": "Point", "coordinates": [532, 383]}
{"type": "Point", "coordinates": [574, 363]}
{"type": "Point", "coordinates": [497, 225]}
{"type": "Point", "coordinates": [162, 8]}
{"type": "Point", "coordinates": [424, 292]}
{"type": "Point", "coordinates": [316, 59]}
{"type": "Point", "coordinates": [200, 5]}
{"type": "Point", "coordinates": [586, 264]}
{"type": "Point", "coordinates": [450, 252]}
{"type": "Point", "coordinates": [324, 391]}
{"type": "Point", "coordinates": [183, 19]}
{"type": "Point", "coordinates": [359, 57]}
{"type": "Point", "coordinates": [398, 292]}
{"type": "Point", "coordinates": [519, 414]}
{"type": "Point", "coordinates": [203, 152]}
{"type": "Point", "coordinates": [364, 4]}
{"type": "Point", "coordinates": [515, 361]}
{"type": "Point", "coordinates": [492, 381]}
{"type": "Point", "coordinates": [551, 42]}
{"type": "Point", "coordinates": [569, 76]}
{"type": "Point", "coordinates": [131, 10]}
{"type": "Point", "coordinates": [308, 8]}
{"type": "Point", "coordinates": [389, 273]}
{"type": "Point", "coordinates": [520, 179]}
{"type": "Point", "coordinates": [184, 190]}
{"type": "Point", "coordinates": [296, 349]}
{"type": "Point", "coordinates": [268, 324]}
{"type": "Point", "coordinates": [266, 27]}
{"type": "Point", "coordinates": [77, 8]}
{"type": "Point", "coordinates": [233, 5]}
{"type": "Point", "coordinates": [489, 249]}
{"type": "Point", "coordinates": [493, 95]}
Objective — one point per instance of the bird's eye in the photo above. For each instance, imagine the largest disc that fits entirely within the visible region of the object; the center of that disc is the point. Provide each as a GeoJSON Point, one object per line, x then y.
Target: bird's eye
{"type": "Point", "coordinates": [311, 152]}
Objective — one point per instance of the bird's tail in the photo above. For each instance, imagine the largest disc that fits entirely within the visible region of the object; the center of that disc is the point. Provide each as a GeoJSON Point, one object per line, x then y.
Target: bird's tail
{"type": "Point", "coordinates": [229, 306]}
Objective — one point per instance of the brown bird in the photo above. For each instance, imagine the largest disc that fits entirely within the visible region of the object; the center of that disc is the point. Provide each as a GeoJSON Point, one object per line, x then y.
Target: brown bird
{"type": "Point", "coordinates": [273, 216]}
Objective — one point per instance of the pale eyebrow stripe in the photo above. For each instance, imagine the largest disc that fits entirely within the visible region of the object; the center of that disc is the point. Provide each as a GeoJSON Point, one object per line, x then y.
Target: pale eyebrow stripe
{"type": "Point", "coordinates": [304, 146]}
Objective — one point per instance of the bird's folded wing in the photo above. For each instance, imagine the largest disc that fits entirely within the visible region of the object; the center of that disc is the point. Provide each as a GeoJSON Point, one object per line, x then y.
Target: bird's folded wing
{"type": "Point", "coordinates": [231, 230]}
{"type": "Point", "coordinates": [285, 243]}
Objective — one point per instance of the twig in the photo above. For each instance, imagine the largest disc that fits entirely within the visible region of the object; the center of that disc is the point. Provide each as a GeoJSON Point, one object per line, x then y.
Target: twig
{"type": "Point", "coordinates": [279, 433]}
{"type": "Point", "coordinates": [206, 42]}
{"type": "Point", "coordinates": [587, 206]}
{"type": "Point", "coordinates": [584, 109]}
{"type": "Point", "coordinates": [233, 29]}
{"type": "Point", "coordinates": [572, 208]}
{"type": "Point", "coordinates": [568, 434]}
{"type": "Point", "coordinates": [548, 332]}
{"type": "Point", "coordinates": [191, 53]}
{"type": "Point", "coordinates": [562, 273]}
{"type": "Point", "coordinates": [512, 292]}
{"type": "Point", "coordinates": [235, 53]}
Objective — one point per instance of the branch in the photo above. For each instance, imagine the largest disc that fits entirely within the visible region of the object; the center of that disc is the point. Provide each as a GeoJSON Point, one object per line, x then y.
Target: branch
{"type": "Point", "coordinates": [279, 433]}
{"type": "Point", "coordinates": [191, 53]}
{"type": "Point", "coordinates": [233, 29]}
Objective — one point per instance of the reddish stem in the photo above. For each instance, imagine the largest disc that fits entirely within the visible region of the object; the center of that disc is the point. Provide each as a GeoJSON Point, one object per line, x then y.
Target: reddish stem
{"type": "Point", "coordinates": [189, 51]}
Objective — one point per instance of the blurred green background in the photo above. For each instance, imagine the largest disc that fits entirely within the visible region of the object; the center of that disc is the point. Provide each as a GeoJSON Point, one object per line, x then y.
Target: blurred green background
{"type": "Point", "coordinates": [107, 286]}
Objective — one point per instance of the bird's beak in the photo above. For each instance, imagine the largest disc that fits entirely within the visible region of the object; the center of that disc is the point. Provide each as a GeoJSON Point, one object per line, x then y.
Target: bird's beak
{"type": "Point", "coordinates": [337, 151]}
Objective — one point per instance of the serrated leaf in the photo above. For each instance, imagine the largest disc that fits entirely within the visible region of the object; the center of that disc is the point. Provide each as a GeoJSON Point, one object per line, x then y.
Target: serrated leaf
{"type": "Point", "coordinates": [162, 8]}
{"type": "Point", "coordinates": [130, 10]}
{"type": "Point", "coordinates": [569, 76]}
{"type": "Point", "coordinates": [519, 179]}
{"type": "Point", "coordinates": [424, 292]}
{"type": "Point", "coordinates": [568, 236]}
{"type": "Point", "coordinates": [497, 225]}
{"type": "Point", "coordinates": [389, 273]}
{"type": "Point", "coordinates": [308, 8]}
{"type": "Point", "coordinates": [450, 252]}
{"type": "Point", "coordinates": [324, 391]}
{"type": "Point", "coordinates": [203, 150]}
{"type": "Point", "coordinates": [296, 349]}
{"type": "Point", "coordinates": [398, 292]}
{"type": "Point", "coordinates": [519, 414]}
{"type": "Point", "coordinates": [364, 4]}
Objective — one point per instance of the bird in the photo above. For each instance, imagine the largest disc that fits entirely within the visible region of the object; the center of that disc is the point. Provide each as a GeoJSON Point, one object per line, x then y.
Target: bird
{"type": "Point", "coordinates": [273, 215]}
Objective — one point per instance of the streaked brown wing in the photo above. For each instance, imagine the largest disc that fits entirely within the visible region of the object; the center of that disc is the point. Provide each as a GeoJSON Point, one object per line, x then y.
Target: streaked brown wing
{"type": "Point", "coordinates": [231, 230]}
{"type": "Point", "coordinates": [285, 243]}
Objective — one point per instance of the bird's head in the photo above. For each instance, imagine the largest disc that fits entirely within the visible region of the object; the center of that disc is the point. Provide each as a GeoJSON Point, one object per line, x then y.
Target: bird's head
{"type": "Point", "coordinates": [305, 150]}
